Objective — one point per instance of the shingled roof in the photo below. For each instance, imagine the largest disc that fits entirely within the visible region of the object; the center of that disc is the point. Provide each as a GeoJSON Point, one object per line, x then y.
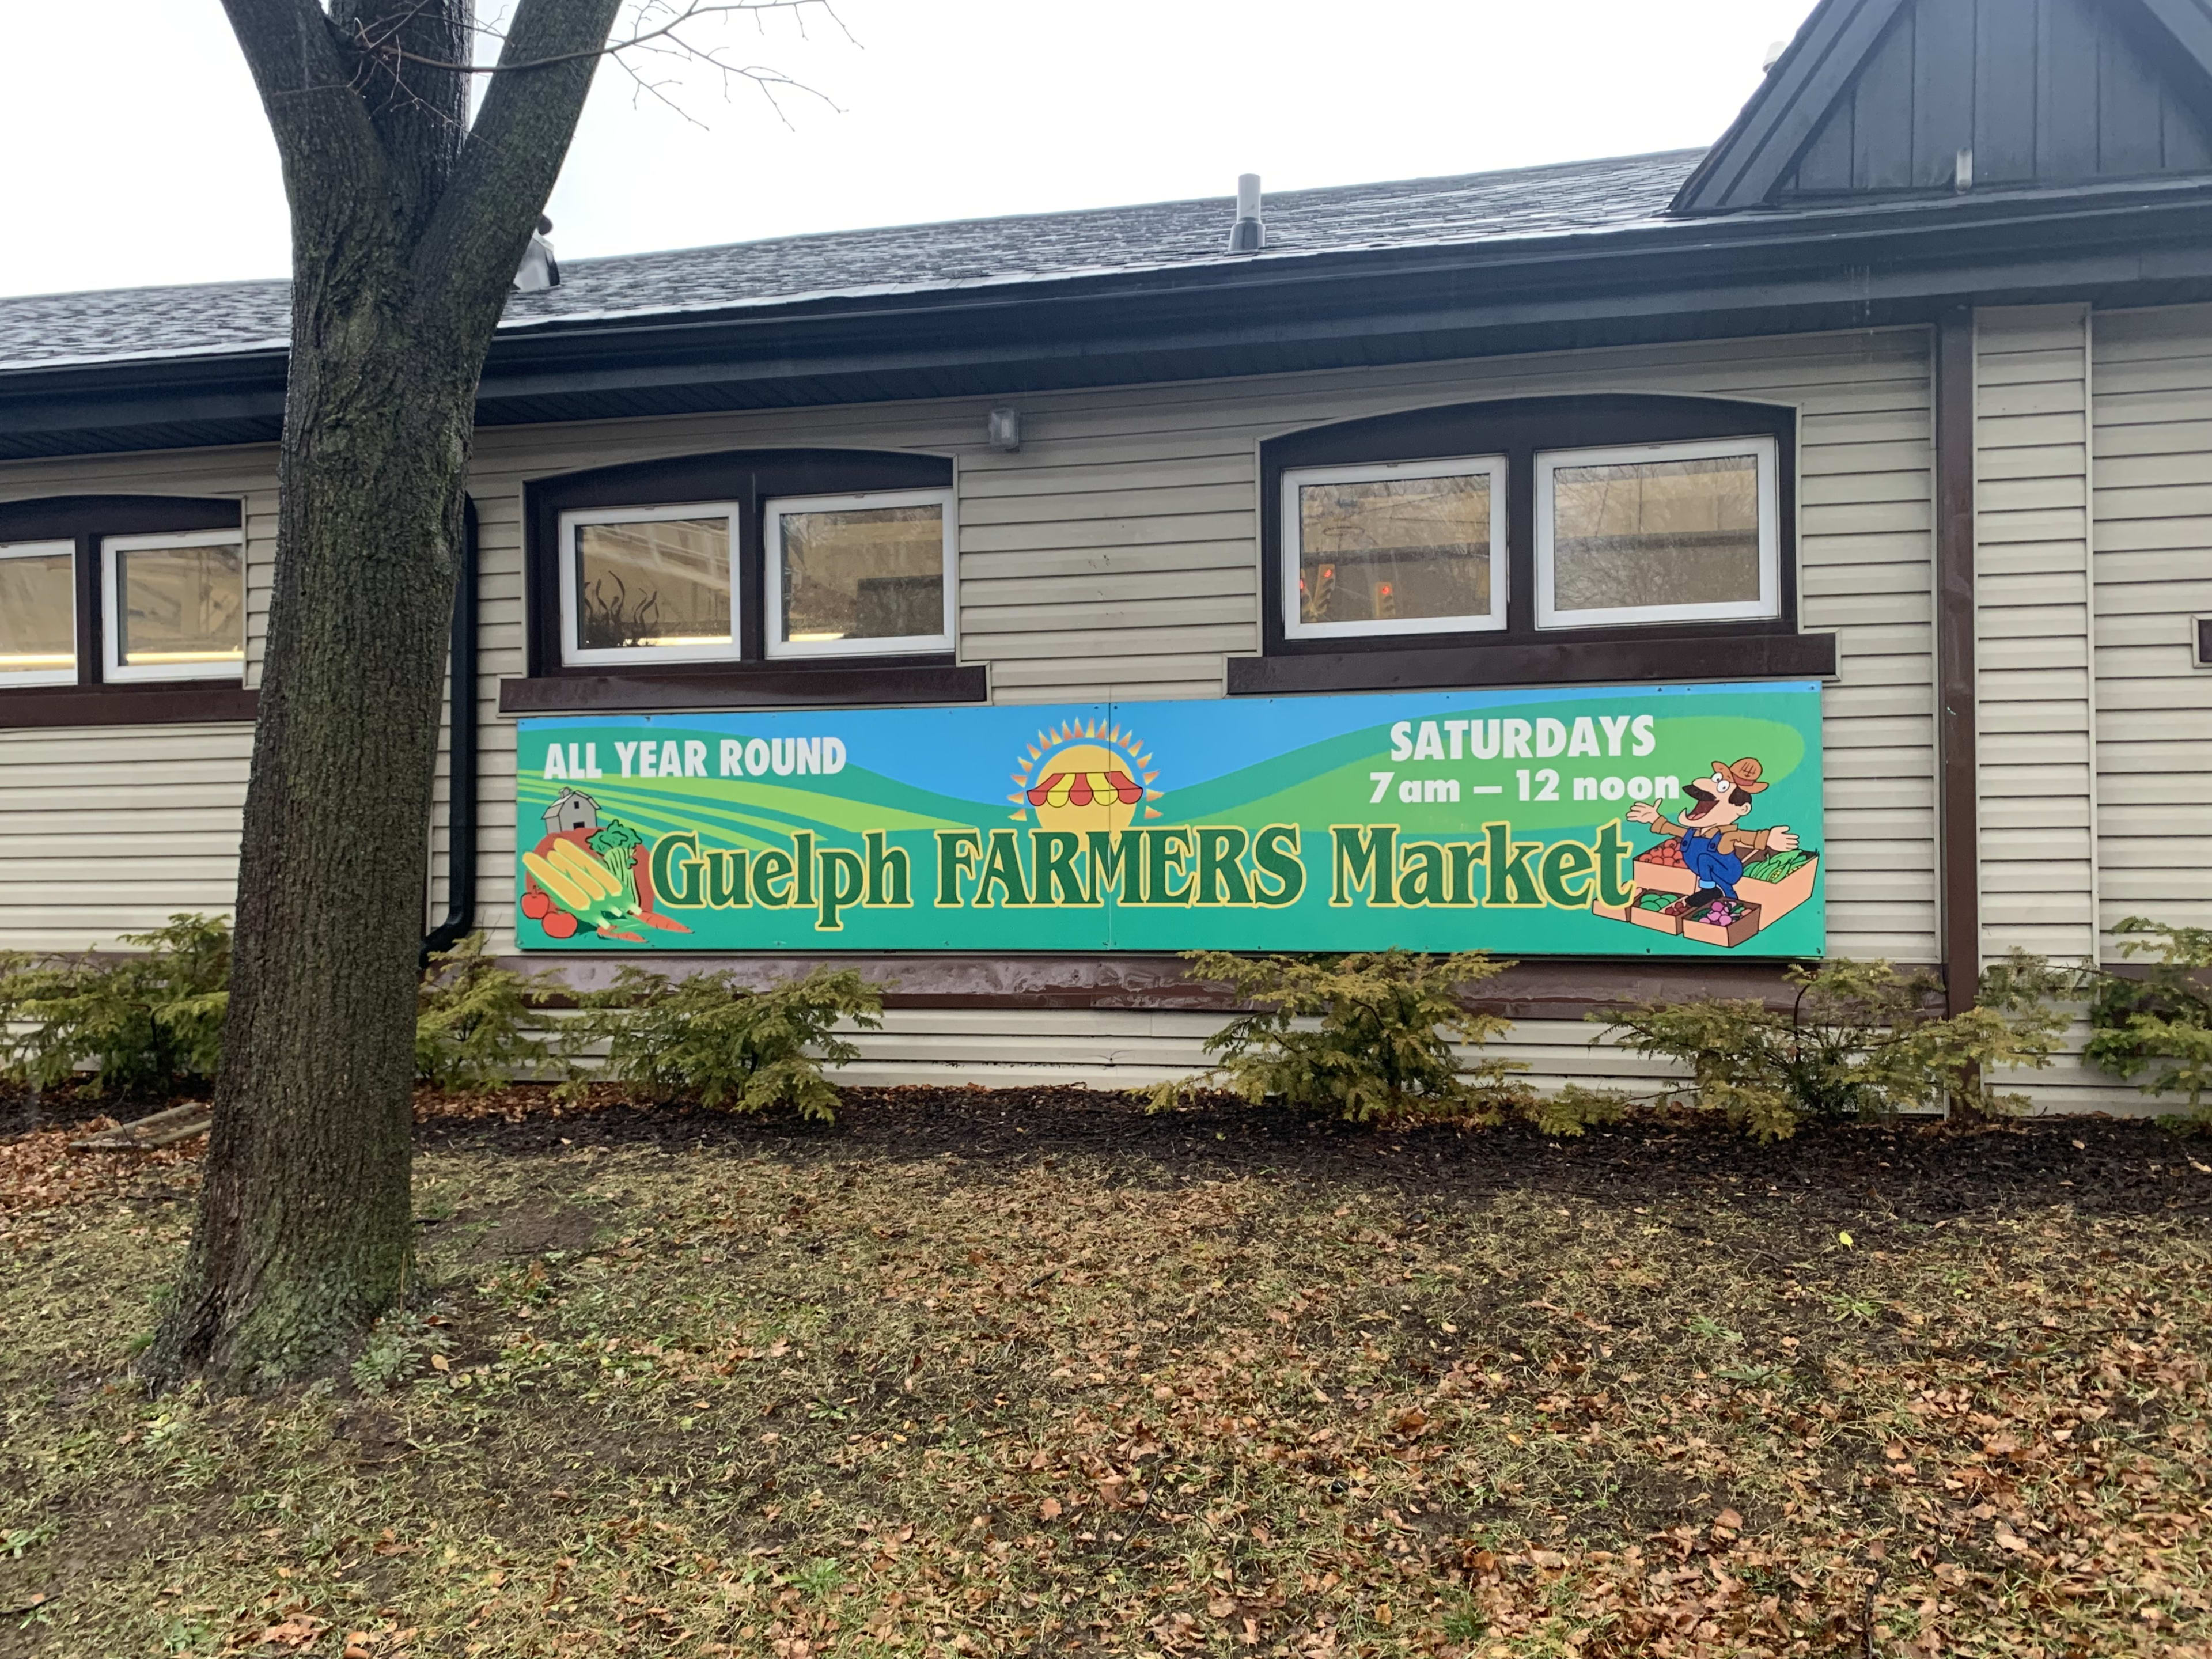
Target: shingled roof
{"type": "Point", "coordinates": [1571, 199]}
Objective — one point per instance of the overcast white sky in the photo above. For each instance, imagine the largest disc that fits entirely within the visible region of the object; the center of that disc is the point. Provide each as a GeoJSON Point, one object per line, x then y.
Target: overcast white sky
{"type": "Point", "coordinates": [136, 152]}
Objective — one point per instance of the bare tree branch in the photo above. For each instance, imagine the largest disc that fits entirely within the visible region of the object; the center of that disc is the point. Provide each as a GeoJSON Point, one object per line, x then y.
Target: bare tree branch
{"type": "Point", "coordinates": [291, 49]}
{"type": "Point", "coordinates": [420, 109]}
{"type": "Point", "coordinates": [513, 156]}
{"type": "Point", "coordinates": [379, 42]}
{"type": "Point", "coordinates": [664, 40]}
{"type": "Point", "coordinates": [691, 12]}
{"type": "Point", "coordinates": [302, 72]}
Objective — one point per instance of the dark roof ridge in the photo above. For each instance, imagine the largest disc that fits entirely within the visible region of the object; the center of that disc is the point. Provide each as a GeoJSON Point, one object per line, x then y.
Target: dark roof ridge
{"type": "Point", "coordinates": [1272, 200]}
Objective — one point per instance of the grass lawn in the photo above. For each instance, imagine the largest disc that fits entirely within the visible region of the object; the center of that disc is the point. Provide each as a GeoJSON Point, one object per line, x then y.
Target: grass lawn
{"type": "Point", "coordinates": [993, 1373]}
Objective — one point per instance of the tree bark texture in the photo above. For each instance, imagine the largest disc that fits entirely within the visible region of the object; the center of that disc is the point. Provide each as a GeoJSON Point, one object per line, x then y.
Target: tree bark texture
{"type": "Point", "coordinates": [407, 224]}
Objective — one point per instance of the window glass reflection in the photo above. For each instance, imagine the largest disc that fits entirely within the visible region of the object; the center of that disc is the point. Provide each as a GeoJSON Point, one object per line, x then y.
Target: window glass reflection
{"type": "Point", "coordinates": [180, 606]}
{"type": "Point", "coordinates": [38, 612]}
{"type": "Point", "coordinates": [874, 573]}
{"type": "Point", "coordinates": [663, 583]}
{"type": "Point", "coordinates": [1394, 549]}
{"type": "Point", "coordinates": [1658, 533]}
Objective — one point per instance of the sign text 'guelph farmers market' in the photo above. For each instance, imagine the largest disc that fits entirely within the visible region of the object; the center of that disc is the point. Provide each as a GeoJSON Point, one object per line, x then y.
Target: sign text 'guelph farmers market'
{"type": "Point", "coordinates": [1601, 821]}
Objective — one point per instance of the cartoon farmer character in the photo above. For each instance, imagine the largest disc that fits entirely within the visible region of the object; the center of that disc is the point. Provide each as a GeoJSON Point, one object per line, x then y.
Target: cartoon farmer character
{"type": "Point", "coordinates": [1712, 850]}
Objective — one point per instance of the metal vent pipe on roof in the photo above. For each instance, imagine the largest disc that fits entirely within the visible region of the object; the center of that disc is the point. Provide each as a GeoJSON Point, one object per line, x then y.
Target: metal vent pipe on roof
{"type": "Point", "coordinates": [539, 270]}
{"type": "Point", "coordinates": [1247, 235]}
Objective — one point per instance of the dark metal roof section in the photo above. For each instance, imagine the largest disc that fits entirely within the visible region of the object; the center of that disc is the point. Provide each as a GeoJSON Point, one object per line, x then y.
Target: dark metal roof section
{"type": "Point", "coordinates": [1898, 97]}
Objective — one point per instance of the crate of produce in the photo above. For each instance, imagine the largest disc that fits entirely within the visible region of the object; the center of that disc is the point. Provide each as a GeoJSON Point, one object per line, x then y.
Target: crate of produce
{"type": "Point", "coordinates": [1661, 869]}
{"type": "Point", "coordinates": [1777, 883]}
{"type": "Point", "coordinates": [1722, 922]}
{"type": "Point", "coordinates": [1660, 911]}
{"type": "Point", "coordinates": [1611, 912]}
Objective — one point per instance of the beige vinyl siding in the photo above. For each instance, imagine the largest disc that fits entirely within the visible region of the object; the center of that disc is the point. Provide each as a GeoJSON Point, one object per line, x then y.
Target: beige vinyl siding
{"type": "Point", "coordinates": [1103, 1048]}
{"type": "Point", "coordinates": [111, 828]}
{"type": "Point", "coordinates": [2033, 699]}
{"type": "Point", "coordinates": [2095, 550]}
{"type": "Point", "coordinates": [1116, 554]}
{"type": "Point", "coordinates": [260, 516]}
{"type": "Point", "coordinates": [2153, 532]}
{"type": "Point", "coordinates": [2041, 797]}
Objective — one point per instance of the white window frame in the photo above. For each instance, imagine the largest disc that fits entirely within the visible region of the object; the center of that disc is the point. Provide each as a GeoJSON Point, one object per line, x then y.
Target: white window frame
{"type": "Point", "coordinates": [772, 512]}
{"type": "Point", "coordinates": [1769, 602]}
{"type": "Point", "coordinates": [46, 549]}
{"type": "Point", "coordinates": [112, 668]}
{"type": "Point", "coordinates": [576, 654]}
{"type": "Point", "coordinates": [1296, 478]}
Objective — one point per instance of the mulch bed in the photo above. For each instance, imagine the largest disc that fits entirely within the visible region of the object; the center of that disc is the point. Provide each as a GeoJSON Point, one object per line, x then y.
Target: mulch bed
{"type": "Point", "coordinates": [1919, 1172]}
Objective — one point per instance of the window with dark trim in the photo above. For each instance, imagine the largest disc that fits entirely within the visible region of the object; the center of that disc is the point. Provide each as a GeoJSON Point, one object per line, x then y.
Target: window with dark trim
{"type": "Point", "coordinates": [1613, 537]}
{"type": "Point", "coordinates": [122, 610]}
{"type": "Point", "coordinates": [743, 579]}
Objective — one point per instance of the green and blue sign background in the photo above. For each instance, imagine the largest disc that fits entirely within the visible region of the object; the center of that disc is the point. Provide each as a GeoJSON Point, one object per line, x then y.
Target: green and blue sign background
{"type": "Point", "coordinates": [1435, 821]}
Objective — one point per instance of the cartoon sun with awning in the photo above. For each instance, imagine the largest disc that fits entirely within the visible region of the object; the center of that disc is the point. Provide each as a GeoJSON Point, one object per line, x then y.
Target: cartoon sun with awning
{"type": "Point", "coordinates": [1083, 775]}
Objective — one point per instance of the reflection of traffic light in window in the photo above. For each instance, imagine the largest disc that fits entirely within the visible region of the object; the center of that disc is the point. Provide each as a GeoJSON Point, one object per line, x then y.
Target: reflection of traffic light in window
{"type": "Point", "coordinates": [1383, 606]}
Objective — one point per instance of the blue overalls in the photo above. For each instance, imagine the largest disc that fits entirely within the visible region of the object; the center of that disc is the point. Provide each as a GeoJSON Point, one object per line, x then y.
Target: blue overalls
{"type": "Point", "coordinates": [1711, 867]}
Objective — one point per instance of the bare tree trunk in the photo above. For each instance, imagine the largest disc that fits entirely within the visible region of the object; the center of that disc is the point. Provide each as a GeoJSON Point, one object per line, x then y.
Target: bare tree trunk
{"type": "Point", "coordinates": [407, 227]}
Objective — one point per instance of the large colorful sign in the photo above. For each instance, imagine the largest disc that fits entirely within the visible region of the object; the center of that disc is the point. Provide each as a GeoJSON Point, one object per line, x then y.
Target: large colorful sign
{"type": "Point", "coordinates": [1592, 822]}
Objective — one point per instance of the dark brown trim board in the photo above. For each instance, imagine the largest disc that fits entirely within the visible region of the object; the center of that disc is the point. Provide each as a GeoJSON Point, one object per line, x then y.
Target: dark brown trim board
{"type": "Point", "coordinates": [1566, 988]}
{"type": "Point", "coordinates": [2201, 643]}
{"type": "Point", "coordinates": [1704, 655]}
{"type": "Point", "coordinates": [186, 702]}
{"type": "Point", "coordinates": [1959, 850]}
{"type": "Point", "coordinates": [56, 518]}
{"type": "Point", "coordinates": [749, 685]}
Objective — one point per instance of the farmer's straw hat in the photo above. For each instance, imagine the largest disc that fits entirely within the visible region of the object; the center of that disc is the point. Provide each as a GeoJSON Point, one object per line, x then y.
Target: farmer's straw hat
{"type": "Point", "coordinates": [1744, 774]}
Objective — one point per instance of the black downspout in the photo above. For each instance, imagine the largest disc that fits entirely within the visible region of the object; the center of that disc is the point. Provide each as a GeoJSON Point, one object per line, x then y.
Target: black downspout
{"type": "Point", "coordinates": [461, 755]}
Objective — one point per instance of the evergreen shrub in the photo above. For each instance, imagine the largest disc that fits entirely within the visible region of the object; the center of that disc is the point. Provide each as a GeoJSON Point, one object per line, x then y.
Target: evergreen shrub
{"type": "Point", "coordinates": [147, 1023]}
{"type": "Point", "coordinates": [1858, 1040]}
{"type": "Point", "coordinates": [1368, 1036]}
{"type": "Point", "coordinates": [479, 1026]}
{"type": "Point", "coordinates": [2160, 1024]}
{"type": "Point", "coordinates": [706, 1037]}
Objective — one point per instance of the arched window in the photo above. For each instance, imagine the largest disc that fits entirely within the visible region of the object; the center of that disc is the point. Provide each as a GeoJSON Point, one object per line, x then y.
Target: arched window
{"type": "Point", "coordinates": [1553, 525]}
{"type": "Point", "coordinates": [709, 563]}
